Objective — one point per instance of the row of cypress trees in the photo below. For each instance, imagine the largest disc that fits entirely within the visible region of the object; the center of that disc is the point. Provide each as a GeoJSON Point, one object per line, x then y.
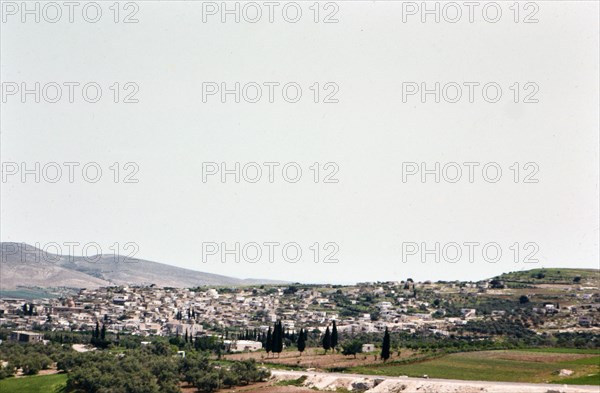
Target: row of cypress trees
{"type": "Point", "coordinates": [330, 339]}
{"type": "Point", "coordinates": [99, 337]}
{"type": "Point", "coordinates": [274, 341]}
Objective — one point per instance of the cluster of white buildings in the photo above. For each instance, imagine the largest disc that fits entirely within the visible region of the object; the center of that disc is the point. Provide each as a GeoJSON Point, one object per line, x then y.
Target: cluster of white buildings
{"type": "Point", "coordinates": [167, 311]}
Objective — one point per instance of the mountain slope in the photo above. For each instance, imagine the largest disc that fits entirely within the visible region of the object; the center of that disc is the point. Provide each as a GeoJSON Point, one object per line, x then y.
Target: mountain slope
{"type": "Point", "coordinates": [25, 265]}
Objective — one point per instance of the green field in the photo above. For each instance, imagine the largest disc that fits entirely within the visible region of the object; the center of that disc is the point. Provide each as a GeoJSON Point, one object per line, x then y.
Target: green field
{"type": "Point", "coordinates": [537, 366]}
{"type": "Point", "coordinates": [54, 383]}
{"type": "Point", "coordinates": [28, 294]}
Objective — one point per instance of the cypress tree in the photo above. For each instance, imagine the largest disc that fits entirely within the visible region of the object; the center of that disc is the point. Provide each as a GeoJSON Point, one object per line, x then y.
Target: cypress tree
{"type": "Point", "coordinates": [275, 338]}
{"type": "Point", "coordinates": [334, 336]}
{"type": "Point", "coordinates": [280, 346]}
{"type": "Point", "coordinates": [278, 338]}
{"type": "Point", "coordinates": [269, 342]}
{"type": "Point", "coordinates": [186, 336]}
{"type": "Point", "coordinates": [95, 335]}
{"type": "Point", "coordinates": [327, 340]}
{"type": "Point", "coordinates": [103, 333]}
{"type": "Point", "coordinates": [385, 348]}
{"type": "Point", "coordinates": [301, 342]}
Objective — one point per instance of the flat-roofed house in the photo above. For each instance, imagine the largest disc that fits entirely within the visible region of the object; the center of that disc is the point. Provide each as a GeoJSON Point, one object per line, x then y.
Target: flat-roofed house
{"type": "Point", "coordinates": [26, 337]}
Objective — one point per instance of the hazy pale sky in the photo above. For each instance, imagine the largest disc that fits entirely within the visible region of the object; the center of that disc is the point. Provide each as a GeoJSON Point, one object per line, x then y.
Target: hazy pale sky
{"type": "Point", "coordinates": [369, 58]}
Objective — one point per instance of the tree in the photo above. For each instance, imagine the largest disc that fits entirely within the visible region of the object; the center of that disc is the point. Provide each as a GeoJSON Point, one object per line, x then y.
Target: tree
{"type": "Point", "coordinates": [230, 379]}
{"type": "Point", "coordinates": [103, 333]}
{"type": "Point", "coordinates": [95, 335]}
{"type": "Point", "coordinates": [327, 340]}
{"type": "Point", "coordinates": [385, 348]}
{"type": "Point", "coordinates": [523, 299]}
{"type": "Point", "coordinates": [275, 338]}
{"type": "Point", "coordinates": [301, 341]}
{"type": "Point", "coordinates": [269, 342]}
{"type": "Point", "coordinates": [278, 338]}
{"type": "Point", "coordinates": [352, 348]}
{"type": "Point", "coordinates": [205, 382]}
{"type": "Point", "coordinates": [334, 336]}
{"type": "Point", "coordinates": [496, 284]}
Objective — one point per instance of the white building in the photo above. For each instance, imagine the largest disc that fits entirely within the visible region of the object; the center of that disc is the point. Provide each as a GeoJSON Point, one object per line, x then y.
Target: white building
{"type": "Point", "coordinates": [242, 345]}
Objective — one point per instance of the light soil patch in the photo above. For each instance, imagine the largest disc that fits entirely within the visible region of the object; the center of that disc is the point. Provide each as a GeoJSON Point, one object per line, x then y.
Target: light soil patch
{"type": "Point", "coordinates": [332, 382]}
{"type": "Point", "coordinates": [52, 370]}
{"type": "Point", "coordinates": [83, 348]}
{"type": "Point", "coordinates": [541, 357]}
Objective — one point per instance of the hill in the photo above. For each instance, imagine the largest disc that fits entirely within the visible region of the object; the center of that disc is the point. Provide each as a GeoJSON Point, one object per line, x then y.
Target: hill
{"type": "Point", "coordinates": [553, 276]}
{"type": "Point", "coordinates": [25, 265]}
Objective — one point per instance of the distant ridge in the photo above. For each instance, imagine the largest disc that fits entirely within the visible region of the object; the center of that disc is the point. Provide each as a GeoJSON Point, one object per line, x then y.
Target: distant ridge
{"type": "Point", "coordinates": [558, 275]}
{"type": "Point", "coordinates": [25, 265]}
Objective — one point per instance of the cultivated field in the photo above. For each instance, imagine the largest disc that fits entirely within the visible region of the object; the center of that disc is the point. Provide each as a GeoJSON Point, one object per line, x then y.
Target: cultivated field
{"type": "Point", "coordinates": [55, 383]}
{"type": "Point", "coordinates": [315, 358]}
{"type": "Point", "coordinates": [536, 366]}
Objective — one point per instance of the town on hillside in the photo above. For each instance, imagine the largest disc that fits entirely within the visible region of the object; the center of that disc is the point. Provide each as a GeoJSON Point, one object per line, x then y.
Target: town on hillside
{"type": "Point", "coordinates": [539, 326]}
{"type": "Point", "coordinates": [426, 308]}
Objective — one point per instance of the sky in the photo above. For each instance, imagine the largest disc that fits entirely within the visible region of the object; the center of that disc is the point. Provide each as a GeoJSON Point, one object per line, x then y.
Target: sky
{"type": "Point", "coordinates": [361, 133]}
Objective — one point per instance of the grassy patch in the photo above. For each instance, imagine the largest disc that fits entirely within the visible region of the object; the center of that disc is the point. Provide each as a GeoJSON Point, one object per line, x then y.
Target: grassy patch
{"type": "Point", "coordinates": [552, 276]}
{"type": "Point", "coordinates": [28, 294]}
{"type": "Point", "coordinates": [565, 350]}
{"type": "Point", "coordinates": [293, 382]}
{"type": "Point", "coordinates": [54, 383]}
{"type": "Point", "coordinates": [505, 366]}
{"type": "Point", "coordinates": [593, 379]}
{"type": "Point", "coordinates": [265, 363]}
